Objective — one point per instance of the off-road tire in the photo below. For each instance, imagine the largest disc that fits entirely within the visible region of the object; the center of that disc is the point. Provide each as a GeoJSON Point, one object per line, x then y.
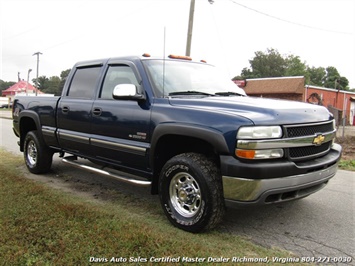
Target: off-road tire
{"type": "Point", "coordinates": [38, 157]}
{"type": "Point", "coordinates": [191, 192]}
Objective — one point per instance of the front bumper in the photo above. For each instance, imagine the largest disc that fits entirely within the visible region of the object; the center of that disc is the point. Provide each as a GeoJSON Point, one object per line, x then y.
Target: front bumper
{"type": "Point", "coordinates": [270, 186]}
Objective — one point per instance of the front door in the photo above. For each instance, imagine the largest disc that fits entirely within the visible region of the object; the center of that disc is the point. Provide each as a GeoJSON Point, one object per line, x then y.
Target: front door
{"type": "Point", "coordinates": [120, 127]}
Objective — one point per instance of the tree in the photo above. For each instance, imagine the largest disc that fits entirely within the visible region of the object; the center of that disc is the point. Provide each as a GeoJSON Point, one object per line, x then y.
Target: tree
{"type": "Point", "coordinates": [343, 83]}
{"type": "Point", "coordinates": [41, 83]}
{"type": "Point", "coordinates": [4, 85]}
{"type": "Point", "coordinates": [333, 79]}
{"type": "Point", "coordinates": [269, 64]}
{"type": "Point", "coordinates": [53, 85]}
{"type": "Point", "coordinates": [316, 75]}
{"type": "Point", "coordinates": [295, 67]}
{"type": "Point", "coordinates": [272, 64]}
{"type": "Point", "coordinates": [63, 78]}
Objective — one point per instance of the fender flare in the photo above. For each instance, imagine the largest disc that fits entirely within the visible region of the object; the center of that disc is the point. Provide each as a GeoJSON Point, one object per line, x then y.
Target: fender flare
{"type": "Point", "coordinates": [32, 115]}
{"type": "Point", "coordinates": [214, 137]}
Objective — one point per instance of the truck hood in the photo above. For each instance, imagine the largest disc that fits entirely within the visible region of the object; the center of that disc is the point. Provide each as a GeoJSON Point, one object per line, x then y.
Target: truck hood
{"type": "Point", "coordinates": [260, 111]}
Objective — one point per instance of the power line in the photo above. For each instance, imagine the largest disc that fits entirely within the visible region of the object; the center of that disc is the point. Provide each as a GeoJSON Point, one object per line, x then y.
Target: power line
{"type": "Point", "coordinates": [288, 21]}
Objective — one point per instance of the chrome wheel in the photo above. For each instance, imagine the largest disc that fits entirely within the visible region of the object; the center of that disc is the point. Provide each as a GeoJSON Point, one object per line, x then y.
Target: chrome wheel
{"type": "Point", "coordinates": [38, 156]}
{"type": "Point", "coordinates": [191, 193]}
{"type": "Point", "coordinates": [32, 153]}
{"type": "Point", "coordinates": [185, 194]}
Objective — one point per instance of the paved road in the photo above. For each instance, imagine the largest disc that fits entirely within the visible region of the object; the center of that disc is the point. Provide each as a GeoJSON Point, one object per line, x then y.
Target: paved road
{"type": "Point", "coordinates": [321, 225]}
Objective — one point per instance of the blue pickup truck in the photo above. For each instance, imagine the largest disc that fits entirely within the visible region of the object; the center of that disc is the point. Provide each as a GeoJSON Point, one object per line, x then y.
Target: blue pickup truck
{"type": "Point", "coordinates": [184, 129]}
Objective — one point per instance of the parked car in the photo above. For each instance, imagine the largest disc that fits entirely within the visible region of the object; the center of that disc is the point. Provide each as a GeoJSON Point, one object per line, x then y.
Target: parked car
{"type": "Point", "coordinates": [6, 105]}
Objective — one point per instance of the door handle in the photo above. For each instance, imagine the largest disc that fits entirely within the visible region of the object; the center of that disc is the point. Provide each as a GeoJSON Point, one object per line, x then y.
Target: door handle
{"type": "Point", "coordinates": [65, 109]}
{"type": "Point", "coordinates": [97, 111]}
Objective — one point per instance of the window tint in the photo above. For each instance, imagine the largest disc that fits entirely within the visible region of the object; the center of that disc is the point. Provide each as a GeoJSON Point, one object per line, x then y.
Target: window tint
{"type": "Point", "coordinates": [119, 74]}
{"type": "Point", "coordinates": [84, 82]}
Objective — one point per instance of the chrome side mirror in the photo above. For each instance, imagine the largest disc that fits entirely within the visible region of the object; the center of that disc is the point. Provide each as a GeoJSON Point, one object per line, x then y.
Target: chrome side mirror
{"type": "Point", "coordinates": [127, 92]}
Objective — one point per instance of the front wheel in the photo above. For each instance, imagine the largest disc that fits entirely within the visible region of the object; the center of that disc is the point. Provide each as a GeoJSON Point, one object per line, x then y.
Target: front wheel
{"type": "Point", "coordinates": [38, 157]}
{"type": "Point", "coordinates": [191, 192]}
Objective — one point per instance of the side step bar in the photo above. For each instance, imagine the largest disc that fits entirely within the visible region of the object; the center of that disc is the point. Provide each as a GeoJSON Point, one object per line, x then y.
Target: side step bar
{"type": "Point", "coordinates": [72, 161]}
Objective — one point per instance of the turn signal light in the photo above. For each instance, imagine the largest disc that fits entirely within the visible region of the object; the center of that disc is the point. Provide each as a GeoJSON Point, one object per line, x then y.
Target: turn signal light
{"type": "Point", "coordinates": [259, 154]}
{"type": "Point", "coordinates": [247, 154]}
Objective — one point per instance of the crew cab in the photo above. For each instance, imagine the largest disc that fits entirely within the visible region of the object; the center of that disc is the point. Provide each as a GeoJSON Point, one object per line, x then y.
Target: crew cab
{"type": "Point", "coordinates": [183, 129]}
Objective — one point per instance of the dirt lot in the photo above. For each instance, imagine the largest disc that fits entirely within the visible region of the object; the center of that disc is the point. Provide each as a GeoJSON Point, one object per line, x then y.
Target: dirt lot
{"type": "Point", "coordinates": [348, 144]}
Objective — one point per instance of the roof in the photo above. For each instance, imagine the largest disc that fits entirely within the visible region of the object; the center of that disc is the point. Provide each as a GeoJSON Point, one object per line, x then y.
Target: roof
{"type": "Point", "coordinates": [20, 86]}
{"type": "Point", "coordinates": [329, 89]}
{"type": "Point", "coordinates": [279, 85]}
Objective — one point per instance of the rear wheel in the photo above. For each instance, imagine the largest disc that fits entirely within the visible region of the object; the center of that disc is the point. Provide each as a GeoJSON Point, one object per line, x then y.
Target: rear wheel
{"type": "Point", "coordinates": [38, 157]}
{"type": "Point", "coordinates": [191, 192]}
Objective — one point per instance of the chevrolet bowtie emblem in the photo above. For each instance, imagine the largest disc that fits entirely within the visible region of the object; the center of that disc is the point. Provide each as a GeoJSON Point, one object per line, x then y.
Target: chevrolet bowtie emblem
{"type": "Point", "coordinates": [318, 140]}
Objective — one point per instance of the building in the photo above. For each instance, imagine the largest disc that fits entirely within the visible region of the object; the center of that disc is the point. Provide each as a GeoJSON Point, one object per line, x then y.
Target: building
{"type": "Point", "coordinates": [21, 87]}
{"type": "Point", "coordinates": [340, 103]}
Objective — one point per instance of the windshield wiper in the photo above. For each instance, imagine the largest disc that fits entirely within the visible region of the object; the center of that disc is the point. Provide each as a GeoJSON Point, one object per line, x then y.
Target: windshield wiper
{"type": "Point", "coordinates": [190, 93]}
{"type": "Point", "coordinates": [228, 93]}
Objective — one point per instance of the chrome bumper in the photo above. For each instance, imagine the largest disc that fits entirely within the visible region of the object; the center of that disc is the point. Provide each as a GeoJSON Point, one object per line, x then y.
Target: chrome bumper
{"type": "Point", "coordinates": [241, 191]}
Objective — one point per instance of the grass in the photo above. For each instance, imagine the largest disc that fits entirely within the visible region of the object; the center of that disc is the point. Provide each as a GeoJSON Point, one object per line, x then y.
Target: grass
{"type": "Point", "coordinates": [43, 226]}
{"type": "Point", "coordinates": [347, 162]}
{"type": "Point", "coordinates": [348, 165]}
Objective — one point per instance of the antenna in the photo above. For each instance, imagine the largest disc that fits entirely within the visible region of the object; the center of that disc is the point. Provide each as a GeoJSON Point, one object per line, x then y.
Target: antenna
{"type": "Point", "coordinates": [164, 62]}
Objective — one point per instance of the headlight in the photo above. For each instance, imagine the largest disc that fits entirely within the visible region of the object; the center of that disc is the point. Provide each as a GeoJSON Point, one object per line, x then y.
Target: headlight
{"type": "Point", "coordinates": [260, 132]}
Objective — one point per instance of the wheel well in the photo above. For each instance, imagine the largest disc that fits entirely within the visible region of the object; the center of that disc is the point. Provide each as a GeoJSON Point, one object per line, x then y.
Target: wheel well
{"type": "Point", "coordinates": [27, 124]}
{"type": "Point", "coordinates": [171, 145]}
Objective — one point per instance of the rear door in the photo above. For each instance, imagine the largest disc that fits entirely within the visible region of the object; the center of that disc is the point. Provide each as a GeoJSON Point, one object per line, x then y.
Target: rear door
{"type": "Point", "coordinates": [74, 110]}
{"type": "Point", "coordinates": [120, 127]}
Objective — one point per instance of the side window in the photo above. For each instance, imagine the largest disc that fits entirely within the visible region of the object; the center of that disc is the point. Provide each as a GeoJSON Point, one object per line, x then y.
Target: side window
{"type": "Point", "coordinates": [117, 74]}
{"type": "Point", "coordinates": [84, 82]}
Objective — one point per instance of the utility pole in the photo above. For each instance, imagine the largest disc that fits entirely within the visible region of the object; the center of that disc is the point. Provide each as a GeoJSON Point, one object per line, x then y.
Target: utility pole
{"type": "Point", "coordinates": [191, 22]}
{"type": "Point", "coordinates": [189, 30]}
{"type": "Point", "coordinates": [38, 53]}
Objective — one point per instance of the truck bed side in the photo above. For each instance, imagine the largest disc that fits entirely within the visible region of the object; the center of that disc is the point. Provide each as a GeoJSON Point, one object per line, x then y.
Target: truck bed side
{"type": "Point", "coordinates": [31, 113]}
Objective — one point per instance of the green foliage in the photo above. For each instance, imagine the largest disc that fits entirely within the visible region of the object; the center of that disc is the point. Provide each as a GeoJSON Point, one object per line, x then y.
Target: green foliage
{"type": "Point", "coordinates": [272, 64]}
{"type": "Point", "coordinates": [295, 67]}
{"type": "Point", "coordinates": [269, 64]}
{"type": "Point", "coordinates": [316, 75]}
{"type": "Point", "coordinates": [348, 165]}
{"type": "Point", "coordinates": [334, 80]}
{"type": "Point", "coordinates": [52, 85]}
{"type": "Point", "coordinates": [5, 85]}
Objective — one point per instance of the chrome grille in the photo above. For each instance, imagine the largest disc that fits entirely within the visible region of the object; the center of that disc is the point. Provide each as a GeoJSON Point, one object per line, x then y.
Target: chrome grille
{"type": "Point", "coordinates": [307, 152]}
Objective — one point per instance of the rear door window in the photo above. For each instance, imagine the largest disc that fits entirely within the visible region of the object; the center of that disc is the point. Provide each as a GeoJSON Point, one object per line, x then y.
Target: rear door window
{"type": "Point", "coordinates": [84, 83]}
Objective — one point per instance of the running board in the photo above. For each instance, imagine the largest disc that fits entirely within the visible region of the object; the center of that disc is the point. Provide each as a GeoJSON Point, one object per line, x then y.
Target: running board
{"type": "Point", "coordinates": [72, 161]}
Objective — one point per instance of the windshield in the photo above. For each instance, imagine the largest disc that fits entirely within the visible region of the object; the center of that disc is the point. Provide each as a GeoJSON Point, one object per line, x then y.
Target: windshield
{"type": "Point", "coordinates": [188, 78]}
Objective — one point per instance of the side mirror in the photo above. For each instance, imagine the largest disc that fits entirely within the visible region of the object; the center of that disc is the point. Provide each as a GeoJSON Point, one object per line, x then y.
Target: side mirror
{"type": "Point", "coordinates": [127, 92]}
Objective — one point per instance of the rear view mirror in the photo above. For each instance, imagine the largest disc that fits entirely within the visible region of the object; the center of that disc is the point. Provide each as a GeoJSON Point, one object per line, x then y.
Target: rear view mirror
{"type": "Point", "coordinates": [127, 92]}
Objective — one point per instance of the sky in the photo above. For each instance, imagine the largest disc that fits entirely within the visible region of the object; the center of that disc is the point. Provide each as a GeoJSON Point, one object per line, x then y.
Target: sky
{"type": "Point", "coordinates": [226, 33]}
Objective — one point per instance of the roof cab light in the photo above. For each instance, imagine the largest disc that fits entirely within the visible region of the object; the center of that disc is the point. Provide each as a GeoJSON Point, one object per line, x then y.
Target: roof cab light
{"type": "Point", "coordinates": [259, 132]}
{"type": "Point", "coordinates": [182, 57]}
